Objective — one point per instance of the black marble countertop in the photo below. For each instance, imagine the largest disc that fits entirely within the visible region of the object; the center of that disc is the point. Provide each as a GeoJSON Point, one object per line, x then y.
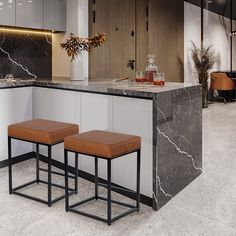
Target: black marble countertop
{"type": "Point", "coordinates": [124, 88]}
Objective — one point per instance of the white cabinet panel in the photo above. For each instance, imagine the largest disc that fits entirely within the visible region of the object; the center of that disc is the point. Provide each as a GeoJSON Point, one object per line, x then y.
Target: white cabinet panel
{"type": "Point", "coordinates": [96, 113]}
{"type": "Point", "coordinates": [15, 106]}
{"type": "Point", "coordinates": [134, 116]}
{"type": "Point", "coordinates": [29, 13]}
{"type": "Point", "coordinates": [57, 105]}
{"type": "Point", "coordinates": [7, 12]}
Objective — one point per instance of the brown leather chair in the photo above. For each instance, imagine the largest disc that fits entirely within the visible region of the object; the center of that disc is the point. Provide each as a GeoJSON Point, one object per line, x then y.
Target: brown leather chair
{"type": "Point", "coordinates": [221, 82]}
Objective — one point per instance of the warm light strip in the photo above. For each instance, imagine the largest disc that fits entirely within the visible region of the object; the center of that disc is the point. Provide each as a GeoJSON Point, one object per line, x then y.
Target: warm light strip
{"type": "Point", "coordinates": [25, 31]}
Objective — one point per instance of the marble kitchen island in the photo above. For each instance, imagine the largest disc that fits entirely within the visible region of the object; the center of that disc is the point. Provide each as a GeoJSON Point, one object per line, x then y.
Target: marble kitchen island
{"type": "Point", "coordinates": [168, 119]}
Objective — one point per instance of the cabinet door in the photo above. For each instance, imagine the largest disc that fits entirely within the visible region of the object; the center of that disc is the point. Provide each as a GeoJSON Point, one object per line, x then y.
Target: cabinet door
{"type": "Point", "coordinates": [29, 13]}
{"type": "Point", "coordinates": [57, 105]}
{"type": "Point", "coordinates": [7, 12]}
{"type": "Point", "coordinates": [134, 116]}
{"type": "Point", "coordinates": [55, 15]}
{"type": "Point", "coordinates": [15, 106]}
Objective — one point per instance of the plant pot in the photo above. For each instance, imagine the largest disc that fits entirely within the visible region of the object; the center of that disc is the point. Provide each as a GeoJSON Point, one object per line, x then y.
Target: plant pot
{"type": "Point", "coordinates": [205, 95]}
{"type": "Point", "coordinates": [77, 69]}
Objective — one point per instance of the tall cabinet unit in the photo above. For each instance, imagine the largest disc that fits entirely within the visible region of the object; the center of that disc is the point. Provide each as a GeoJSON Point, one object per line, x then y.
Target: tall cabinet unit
{"type": "Point", "coordinates": [29, 13]}
{"type": "Point", "coordinates": [7, 12]}
{"type": "Point", "coordinates": [55, 15]}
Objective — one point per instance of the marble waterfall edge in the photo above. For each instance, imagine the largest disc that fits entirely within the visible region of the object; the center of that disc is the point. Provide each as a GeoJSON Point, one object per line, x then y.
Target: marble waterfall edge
{"type": "Point", "coordinates": [177, 142]}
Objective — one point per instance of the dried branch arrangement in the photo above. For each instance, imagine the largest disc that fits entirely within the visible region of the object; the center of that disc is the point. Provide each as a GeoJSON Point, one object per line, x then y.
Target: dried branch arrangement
{"type": "Point", "coordinates": [74, 45]}
{"type": "Point", "coordinates": [204, 58]}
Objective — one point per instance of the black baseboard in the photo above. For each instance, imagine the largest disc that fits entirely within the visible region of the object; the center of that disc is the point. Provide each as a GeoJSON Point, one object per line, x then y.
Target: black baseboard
{"type": "Point", "coordinates": [82, 174]}
{"type": "Point", "coordinates": [18, 159]}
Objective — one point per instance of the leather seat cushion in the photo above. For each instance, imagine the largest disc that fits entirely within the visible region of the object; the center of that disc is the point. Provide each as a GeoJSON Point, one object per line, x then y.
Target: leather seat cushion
{"type": "Point", "coordinates": [102, 143]}
{"type": "Point", "coordinates": [42, 131]}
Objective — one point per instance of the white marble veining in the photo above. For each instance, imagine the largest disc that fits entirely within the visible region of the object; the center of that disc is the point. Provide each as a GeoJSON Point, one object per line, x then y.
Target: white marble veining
{"type": "Point", "coordinates": [206, 207]}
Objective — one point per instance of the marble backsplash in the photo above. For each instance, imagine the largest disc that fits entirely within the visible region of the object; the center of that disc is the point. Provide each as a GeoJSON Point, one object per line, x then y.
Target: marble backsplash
{"type": "Point", "coordinates": [25, 54]}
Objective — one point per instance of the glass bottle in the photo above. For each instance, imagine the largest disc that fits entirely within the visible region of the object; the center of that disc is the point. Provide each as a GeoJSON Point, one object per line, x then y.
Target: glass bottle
{"type": "Point", "coordinates": [151, 68]}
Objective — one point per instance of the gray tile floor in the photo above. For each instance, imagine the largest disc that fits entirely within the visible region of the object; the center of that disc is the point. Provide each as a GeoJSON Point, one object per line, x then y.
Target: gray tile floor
{"type": "Point", "coordinates": [206, 207]}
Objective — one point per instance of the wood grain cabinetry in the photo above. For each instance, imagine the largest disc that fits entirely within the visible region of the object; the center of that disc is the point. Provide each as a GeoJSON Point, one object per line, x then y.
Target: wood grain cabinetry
{"type": "Point", "coordinates": [134, 30]}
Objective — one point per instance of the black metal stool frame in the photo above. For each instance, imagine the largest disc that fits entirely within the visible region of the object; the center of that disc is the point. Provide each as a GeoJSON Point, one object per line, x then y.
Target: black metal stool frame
{"type": "Point", "coordinates": [109, 186]}
{"type": "Point", "coordinates": [49, 201]}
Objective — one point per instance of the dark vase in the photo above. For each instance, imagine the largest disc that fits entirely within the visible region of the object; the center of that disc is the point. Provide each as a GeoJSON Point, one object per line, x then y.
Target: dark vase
{"type": "Point", "coordinates": [205, 95]}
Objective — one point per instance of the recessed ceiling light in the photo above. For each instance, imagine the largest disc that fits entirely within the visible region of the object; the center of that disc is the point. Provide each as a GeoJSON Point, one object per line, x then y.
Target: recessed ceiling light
{"type": "Point", "coordinates": [19, 3]}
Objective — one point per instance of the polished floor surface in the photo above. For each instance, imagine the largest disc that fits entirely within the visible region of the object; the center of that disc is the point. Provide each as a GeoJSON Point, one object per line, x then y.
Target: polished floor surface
{"type": "Point", "coordinates": [206, 207]}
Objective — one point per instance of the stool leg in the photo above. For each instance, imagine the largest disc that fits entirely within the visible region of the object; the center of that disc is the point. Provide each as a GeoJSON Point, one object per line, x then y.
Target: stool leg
{"type": "Point", "coordinates": [138, 180]}
{"type": "Point", "coordinates": [37, 163]}
{"type": "Point", "coordinates": [9, 165]}
{"type": "Point", "coordinates": [96, 178]}
{"type": "Point", "coordinates": [76, 173]}
{"type": "Point", "coordinates": [66, 181]}
{"type": "Point", "coordinates": [49, 176]}
{"type": "Point", "coordinates": [109, 192]}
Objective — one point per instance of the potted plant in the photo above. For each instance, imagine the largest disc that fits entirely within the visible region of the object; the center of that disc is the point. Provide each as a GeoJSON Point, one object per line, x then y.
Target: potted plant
{"type": "Point", "coordinates": [203, 58]}
{"type": "Point", "coordinates": [75, 45]}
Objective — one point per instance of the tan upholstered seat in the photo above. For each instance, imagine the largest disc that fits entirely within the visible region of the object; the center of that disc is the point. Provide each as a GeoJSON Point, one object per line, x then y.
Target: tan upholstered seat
{"type": "Point", "coordinates": [220, 81]}
{"type": "Point", "coordinates": [42, 131]}
{"type": "Point", "coordinates": [102, 143]}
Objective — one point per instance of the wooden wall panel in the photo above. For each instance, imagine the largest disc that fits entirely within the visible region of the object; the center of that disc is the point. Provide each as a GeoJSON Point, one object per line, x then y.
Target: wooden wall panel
{"type": "Point", "coordinates": [117, 19]}
{"type": "Point", "coordinates": [141, 34]}
{"type": "Point", "coordinates": [166, 37]}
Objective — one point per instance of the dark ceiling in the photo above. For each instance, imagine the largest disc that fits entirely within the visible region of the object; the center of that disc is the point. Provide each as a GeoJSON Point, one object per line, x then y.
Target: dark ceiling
{"type": "Point", "coordinates": [221, 7]}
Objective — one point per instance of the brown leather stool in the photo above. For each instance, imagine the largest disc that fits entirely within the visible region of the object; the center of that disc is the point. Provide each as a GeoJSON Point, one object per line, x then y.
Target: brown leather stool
{"type": "Point", "coordinates": [105, 145]}
{"type": "Point", "coordinates": [41, 132]}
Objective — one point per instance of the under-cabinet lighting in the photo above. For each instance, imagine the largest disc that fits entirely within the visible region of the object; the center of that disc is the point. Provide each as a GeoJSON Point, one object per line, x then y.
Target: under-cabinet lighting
{"type": "Point", "coordinates": [15, 30]}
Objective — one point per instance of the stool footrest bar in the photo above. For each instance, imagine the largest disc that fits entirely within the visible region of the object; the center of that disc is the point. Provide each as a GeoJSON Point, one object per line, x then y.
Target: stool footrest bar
{"type": "Point", "coordinates": [82, 202]}
{"type": "Point", "coordinates": [123, 215]}
{"type": "Point", "coordinates": [88, 215]}
{"type": "Point", "coordinates": [24, 185]}
{"type": "Point", "coordinates": [30, 197]}
{"type": "Point", "coordinates": [55, 185]}
{"type": "Point", "coordinates": [119, 188]}
{"type": "Point", "coordinates": [118, 203]}
{"type": "Point", "coordinates": [57, 173]}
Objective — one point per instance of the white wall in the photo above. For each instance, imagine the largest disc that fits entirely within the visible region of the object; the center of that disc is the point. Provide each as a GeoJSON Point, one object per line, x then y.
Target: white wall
{"type": "Point", "coordinates": [216, 33]}
{"type": "Point", "coordinates": [77, 23]}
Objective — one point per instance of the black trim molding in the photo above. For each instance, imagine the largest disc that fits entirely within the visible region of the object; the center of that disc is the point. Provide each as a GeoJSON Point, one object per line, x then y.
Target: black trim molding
{"type": "Point", "coordinates": [18, 159]}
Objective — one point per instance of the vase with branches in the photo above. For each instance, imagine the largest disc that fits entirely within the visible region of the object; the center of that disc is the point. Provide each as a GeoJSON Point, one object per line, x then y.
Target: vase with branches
{"type": "Point", "coordinates": [203, 58]}
{"type": "Point", "coordinates": [75, 45]}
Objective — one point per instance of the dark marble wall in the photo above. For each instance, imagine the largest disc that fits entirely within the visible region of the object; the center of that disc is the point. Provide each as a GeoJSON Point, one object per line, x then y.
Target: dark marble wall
{"type": "Point", "coordinates": [25, 55]}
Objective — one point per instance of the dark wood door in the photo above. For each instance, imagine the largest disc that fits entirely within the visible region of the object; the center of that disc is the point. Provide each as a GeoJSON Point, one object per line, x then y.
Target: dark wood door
{"type": "Point", "coordinates": [116, 18]}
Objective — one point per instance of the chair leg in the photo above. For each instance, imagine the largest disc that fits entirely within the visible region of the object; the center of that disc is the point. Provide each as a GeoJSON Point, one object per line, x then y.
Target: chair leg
{"type": "Point", "coordinates": [9, 165]}
{"type": "Point", "coordinates": [138, 180]}
{"type": "Point", "coordinates": [96, 178]}
{"type": "Point", "coordinates": [109, 192]}
{"type": "Point", "coordinates": [37, 163]}
{"type": "Point", "coordinates": [49, 176]}
{"type": "Point", "coordinates": [76, 173]}
{"type": "Point", "coordinates": [66, 181]}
